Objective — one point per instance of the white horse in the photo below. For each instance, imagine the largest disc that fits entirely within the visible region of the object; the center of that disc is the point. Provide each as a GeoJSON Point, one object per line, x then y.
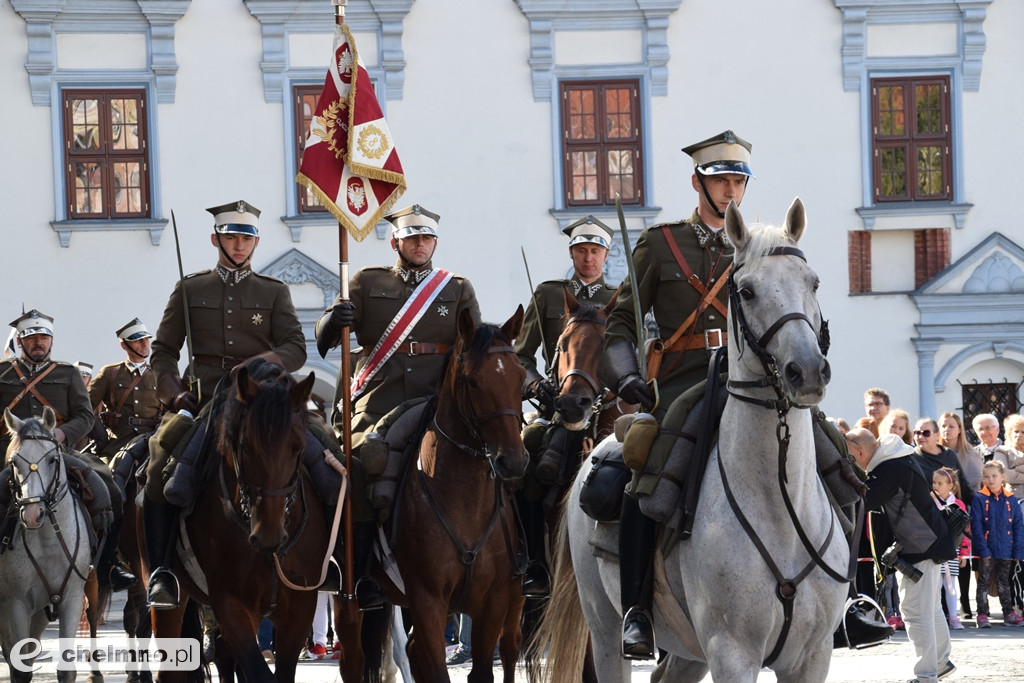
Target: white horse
{"type": "Point", "coordinates": [760, 582]}
{"type": "Point", "coordinates": [44, 570]}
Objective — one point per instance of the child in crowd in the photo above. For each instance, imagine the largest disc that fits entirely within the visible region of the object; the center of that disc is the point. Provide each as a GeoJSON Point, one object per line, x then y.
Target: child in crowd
{"type": "Point", "coordinates": [947, 492]}
{"type": "Point", "coordinates": [997, 532]}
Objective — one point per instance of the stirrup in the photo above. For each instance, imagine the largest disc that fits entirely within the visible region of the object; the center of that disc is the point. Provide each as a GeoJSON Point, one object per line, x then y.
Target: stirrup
{"type": "Point", "coordinates": [163, 603]}
{"type": "Point", "coordinates": [380, 598]}
{"type": "Point", "coordinates": [842, 630]}
{"type": "Point", "coordinates": [637, 614]}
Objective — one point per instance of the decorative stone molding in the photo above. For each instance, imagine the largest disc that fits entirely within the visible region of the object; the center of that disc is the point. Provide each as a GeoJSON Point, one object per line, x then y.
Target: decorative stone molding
{"type": "Point", "coordinates": [155, 226]}
{"type": "Point", "coordinates": [46, 18]}
{"type": "Point", "coordinates": [279, 18]}
{"type": "Point", "coordinates": [969, 15]}
{"type": "Point", "coordinates": [295, 268]}
{"type": "Point", "coordinates": [549, 16]}
{"type": "Point", "coordinates": [959, 212]}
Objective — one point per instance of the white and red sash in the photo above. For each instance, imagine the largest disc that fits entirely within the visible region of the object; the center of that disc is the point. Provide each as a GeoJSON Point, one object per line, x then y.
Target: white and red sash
{"type": "Point", "coordinates": [400, 327]}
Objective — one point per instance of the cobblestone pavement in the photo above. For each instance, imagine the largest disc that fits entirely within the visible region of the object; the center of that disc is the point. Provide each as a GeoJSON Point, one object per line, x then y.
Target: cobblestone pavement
{"type": "Point", "coordinates": [995, 654]}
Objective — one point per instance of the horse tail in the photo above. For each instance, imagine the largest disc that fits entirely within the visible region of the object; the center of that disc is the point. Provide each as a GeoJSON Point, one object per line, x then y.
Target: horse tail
{"type": "Point", "coordinates": [373, 639]}
{"type": "Point", "coordinates": [562, 628]}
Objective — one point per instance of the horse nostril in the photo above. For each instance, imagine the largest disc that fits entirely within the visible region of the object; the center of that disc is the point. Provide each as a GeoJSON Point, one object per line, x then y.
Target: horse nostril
{"type": "Point", "coordinates": [826, 372]}
{"type": "Point", "coordinates": [794, 374]}
{"type": "Point", "coordinates": [584, 402]}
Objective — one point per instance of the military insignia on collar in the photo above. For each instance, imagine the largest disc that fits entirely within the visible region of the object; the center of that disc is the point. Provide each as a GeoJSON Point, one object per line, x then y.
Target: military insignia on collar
{"type": "Point", "coordinates": [442, 311]}
{"type": "Point", "coordinates": [578, 287]}
{"type": "Point", "coordinates": [706, 235]}
{"type": "Point", "coordinates": [257, 319]}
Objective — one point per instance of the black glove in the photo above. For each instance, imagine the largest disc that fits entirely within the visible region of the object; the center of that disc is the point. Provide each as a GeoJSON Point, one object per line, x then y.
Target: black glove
{"type": "Point", "coordinates": [186, 400]}
{"type": "Point", "coordinates": [632, 389]}
{"type": "Point", "coordinates": [544, 393]}
{"type": "Point", "coordinates": [343, 314]}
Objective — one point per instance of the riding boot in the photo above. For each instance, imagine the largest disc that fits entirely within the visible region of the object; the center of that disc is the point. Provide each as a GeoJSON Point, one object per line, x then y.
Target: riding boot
{"type": "Point", "coordinates": [367, 591]}
{"type": "Point", "coordinates": [163, 592]}
{"type": "Point", "coordinates": [536, 581]}
{"type": "Point", "coordinates": [109, 571]}
{"type": "Point", "coordinates": [636, 548]}
{"type": "Point", "coordinates": [858, 630]}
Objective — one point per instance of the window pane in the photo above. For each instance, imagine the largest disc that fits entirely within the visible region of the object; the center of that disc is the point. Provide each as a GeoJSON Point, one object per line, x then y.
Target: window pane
{"type": "Point", "coordinates": [929, 170]}
{"type": "Point", "coordinates": [618, 113]}
{"type": "Point", "coordinates": [127, 187]}
{"type": "Point", "coordinates": [584, 175]}
{"type": "Point", "coordinates": [124, 123]}
{"type": "Point", "coordinates": [88, 187]}
{"type": "Point", "coordinates": [620, 174]}
{"type": "Point", "coordinates": [893, 172]}
{"type": "Point", "coordinates": [307, 107]}
{"type": "Point", "coordinates": [929, 113]}
{"type": "Point", "coordinates": [85, 121]}
{"type": "Point", "coordinates": [582, 119]}
{"type": "Point", "coordinates": [890, 110]}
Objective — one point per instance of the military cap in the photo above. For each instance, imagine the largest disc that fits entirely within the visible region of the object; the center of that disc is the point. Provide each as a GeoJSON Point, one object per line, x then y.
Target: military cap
{"type": "Point", "coordinates": [133, 331]}
{"type": "Point", "coordinates": [84, 368]}
{"type": "Point", "coordinates": [724, 153]}
{"type": "Point", "coordinates": [33, 322]}
{"type": "Point", "coordinates": [239, 218]}
{"type": "Point", "coordinates": [589, 230]}
{"type": "Point", "coordinates": [412, 220]}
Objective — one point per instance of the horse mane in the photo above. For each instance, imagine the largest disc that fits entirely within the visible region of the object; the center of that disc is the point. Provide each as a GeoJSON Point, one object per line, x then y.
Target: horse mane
{"type": "Point", "coordinates": [762, 241]}
{"type": "Point", "coordinates": [269, 414]}
{"type": "Point", "coordinates": [588, 312]}
{"type": "Point", "coordinates": [32, 426]}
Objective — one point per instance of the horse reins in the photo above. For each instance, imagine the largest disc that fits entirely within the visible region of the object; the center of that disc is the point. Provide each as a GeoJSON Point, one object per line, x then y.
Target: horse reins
{"type": "Point", "coordinates": [575, 372]}
{"type": "Point", "coordinates": [785, 589]}
{"type": "Point", "coordinates": [55, 493]}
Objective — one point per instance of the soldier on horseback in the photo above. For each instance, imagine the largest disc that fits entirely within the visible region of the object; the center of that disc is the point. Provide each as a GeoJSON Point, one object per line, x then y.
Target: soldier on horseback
{"type": "Point", "coordinates": [405, 317]}
{"type": "Point", "coordinates": [33, 381]}
{"type": "Point", "coordinates": [234, 313]}
{"type": "Point", "coordinates": [589, 241]}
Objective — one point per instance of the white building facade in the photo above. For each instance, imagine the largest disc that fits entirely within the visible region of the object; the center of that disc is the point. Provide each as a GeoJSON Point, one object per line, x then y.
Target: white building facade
{"type": "Point", "coordinates": [892, 120]}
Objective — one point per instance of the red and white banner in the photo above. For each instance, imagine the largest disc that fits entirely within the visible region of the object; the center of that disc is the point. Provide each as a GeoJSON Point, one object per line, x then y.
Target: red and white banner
{"type": "Point", "coordinates": [349, 161]}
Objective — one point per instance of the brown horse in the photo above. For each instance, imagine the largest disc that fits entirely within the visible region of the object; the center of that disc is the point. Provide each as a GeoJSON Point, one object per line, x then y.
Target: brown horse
{"type": "Point", "coordinates": [258, 508]}
{"type": "Point", "coordinates": [456, 545]}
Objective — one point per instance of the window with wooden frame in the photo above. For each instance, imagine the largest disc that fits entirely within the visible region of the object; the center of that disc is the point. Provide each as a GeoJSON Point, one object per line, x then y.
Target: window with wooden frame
{"type": "Point", "coordinates": [602, 142]}
{"type": "Point", "coordinates": [106, 154]}
{"type": "Point", "coordinates": [911, 139]}
{"type": "Point", "coordinates": [304, 98]}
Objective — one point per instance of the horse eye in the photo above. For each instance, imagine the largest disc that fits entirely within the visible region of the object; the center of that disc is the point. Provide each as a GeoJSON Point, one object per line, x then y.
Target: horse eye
{"type": "Point", "coordinates": [816, 283]}
{"type": "Point", "coordinates": [747, 293]}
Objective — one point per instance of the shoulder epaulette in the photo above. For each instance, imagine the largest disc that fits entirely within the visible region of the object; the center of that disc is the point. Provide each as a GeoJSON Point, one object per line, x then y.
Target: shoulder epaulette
{"type": "Point", "coordinates": [199, 272]}
{"type": "Point", "coordinates": [267, 277]}
{"type": "Point", "coordinates": [668, 223]}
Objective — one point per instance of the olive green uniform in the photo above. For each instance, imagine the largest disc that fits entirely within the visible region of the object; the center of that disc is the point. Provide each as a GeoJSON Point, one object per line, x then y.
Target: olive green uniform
{"type": "Point", "coordinates": [139, 410]}
{"type": "Point", "coordinates": [546, 313]}
{"type": "Point", "coordinates": [378, 293]}
{"type": "Point", "coordinates": [62, 388]}
{"type": "Point", "coordinates": [664, 288]}
{"type": "Point", "coordinates": [234, 315]}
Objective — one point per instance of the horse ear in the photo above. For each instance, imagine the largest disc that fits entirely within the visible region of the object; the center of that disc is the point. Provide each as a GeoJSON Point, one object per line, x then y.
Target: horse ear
{"type": "Point", "coordinates": [302, 391]}
{"type": "Point", "coordinates": [12, 421]}
{"type": "Point", "coordinates": [49, 418]}
{"type": "Point", "coordinates": [735, 228]}
{"type": "Point", "coordinates": [796, 220]}
{"type": "Point", "coordinates": [246, 387]}
{"type": "Point", "coordinates": [610, 306]}
{"type": "Point", "coordinates": [467, 327]}
{"type": "Point", "coordinates": [514, 325]}
{"type": "Point", "coordinates": [571, 304]}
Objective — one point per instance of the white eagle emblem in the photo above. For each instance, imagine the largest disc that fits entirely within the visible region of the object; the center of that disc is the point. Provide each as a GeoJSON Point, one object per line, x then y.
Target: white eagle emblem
{"type": "Point", "coordinates": [356, 196]}
{"type": "Point", "coordinates": [345, 61]}
{"type": "Point", "coordinates": [442, 311]}
{"type": "Point", "coordinates": [257, 319]}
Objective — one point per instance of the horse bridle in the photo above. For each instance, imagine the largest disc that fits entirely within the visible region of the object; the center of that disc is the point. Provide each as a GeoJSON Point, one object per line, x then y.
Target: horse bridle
{"type": "Point", "coordinates": [251, 495]}
{"type": "Point", "coordinates": [575, 372]}
{"type": "Point", "coordinates": [464, 407]}
{"type": "Point", "coordinates": [786, 588]}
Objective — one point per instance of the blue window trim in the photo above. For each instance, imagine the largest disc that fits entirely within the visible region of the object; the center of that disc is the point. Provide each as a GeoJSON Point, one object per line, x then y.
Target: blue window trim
{"type": "Point", "coordinates": [963, 68]}
{"type": "Point", "coordinates": [45, 20]}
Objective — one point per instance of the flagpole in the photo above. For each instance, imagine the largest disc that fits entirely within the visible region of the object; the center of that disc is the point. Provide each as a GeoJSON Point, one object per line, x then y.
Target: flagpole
{"type": "Point", "coordinates": [348, 577]}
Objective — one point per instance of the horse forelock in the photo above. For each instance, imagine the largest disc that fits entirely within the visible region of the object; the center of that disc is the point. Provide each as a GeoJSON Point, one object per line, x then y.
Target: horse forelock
{"type": "Point", "coordinates": [30, 428]}
{"type": "Point", "coordinates": [588, 312]}
{"type": "Point", "coordinates": [265, 419]}
{"type": "Point", "coordinates": [486, 336]}
{"type": "Point", "coordinates": [762, 241]}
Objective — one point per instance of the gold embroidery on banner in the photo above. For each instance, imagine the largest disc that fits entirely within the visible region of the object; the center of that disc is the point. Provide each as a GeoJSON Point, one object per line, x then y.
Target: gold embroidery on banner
{"type": "Point", "coordinates": [334, 117]}
{"type": "Point", "coordinates": [373, 143]}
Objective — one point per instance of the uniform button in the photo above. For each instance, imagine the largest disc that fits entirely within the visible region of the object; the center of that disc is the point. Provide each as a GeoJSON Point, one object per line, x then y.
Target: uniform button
{"type": "Point", "coordinates": [679, 274]}
{"type": "Point", "coordinates": [229, 327]}
{"type": "Point", "coordinates": [136, 400]}
{"type": "Point", "coordinates": [714, 248]}
{"type": "Point", "coordinates": [230, 343]}
{"type": "Point", "coordinates": [231, 298]}
{"type": "Point", "coordinates": [408, 369]}
{"type": "Point", "coordinates": [230, 311]}
{"type": "Point", "coordinates": [711, 317]}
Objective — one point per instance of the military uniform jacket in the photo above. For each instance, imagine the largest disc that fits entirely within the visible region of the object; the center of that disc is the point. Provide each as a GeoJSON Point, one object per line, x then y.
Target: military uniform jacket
{"type": "Point", "coordinates": [62, 388]}
{"type": "Point", "coordinates": [378, 294]}
{"type": "Point", "coordinates": [546, 312]}
{"type": "Point", "coordinates": [664, 288]}
{"type": "Point", "coordinates": [234, 315]}
{"type": "Point", "coordinates": [140, 411]}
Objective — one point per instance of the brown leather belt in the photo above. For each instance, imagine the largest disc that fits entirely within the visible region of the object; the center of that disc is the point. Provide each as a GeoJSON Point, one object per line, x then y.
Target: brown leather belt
{"type": "Point", "coordinates": [222, 362]}
{"type": "Point", "coordinates": [143, 421]}
{"type": "Point", "coordinates": [416, 349]}
{"type": "Point", "coordinates": [708, 339]}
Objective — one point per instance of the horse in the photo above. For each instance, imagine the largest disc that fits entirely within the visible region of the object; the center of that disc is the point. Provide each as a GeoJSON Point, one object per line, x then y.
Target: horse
{"type": "Point", "coordinates": [760, 581]}
{"type": "Point", "coordinates": [455, 508]}
{"type": "Point", "coordinates": [44, 569]}
{"type": "Point", "coordinates": [257, 528]}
